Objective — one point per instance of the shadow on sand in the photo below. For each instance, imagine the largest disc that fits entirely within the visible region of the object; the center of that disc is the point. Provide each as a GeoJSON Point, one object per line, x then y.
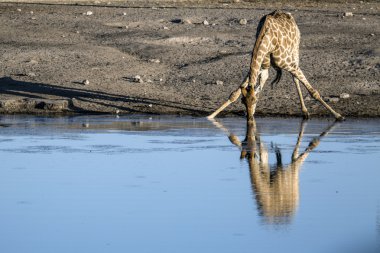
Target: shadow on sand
{"type": "Point", "coordinates": [10, 86]}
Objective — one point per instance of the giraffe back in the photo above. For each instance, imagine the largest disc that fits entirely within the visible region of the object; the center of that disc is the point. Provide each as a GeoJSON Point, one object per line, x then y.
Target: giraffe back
{"type": "Point", "coordinates": [285, 38]}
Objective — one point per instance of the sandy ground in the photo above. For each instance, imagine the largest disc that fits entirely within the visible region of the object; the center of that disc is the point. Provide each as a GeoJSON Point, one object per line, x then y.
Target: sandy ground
{"type": "Point", "coordinates": [185, 66]}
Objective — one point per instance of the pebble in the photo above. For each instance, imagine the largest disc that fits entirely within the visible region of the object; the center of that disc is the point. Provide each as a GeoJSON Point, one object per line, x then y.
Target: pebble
{"type": "Point", "coordinates": [31, 74]}
{"type": "Point", "coordinates": [88, 13]}
{"type": "Point", "coordinates": [150, 105]}
{"type": "Point", "coordinates": [31, 12]}
{"type": "Point", "coordinates": [188, 21]}
{"type": "Point", "coordinates": [372, 34]}
{"type": "Point", "coordinates": [124, 14]}
{"type": "Point", "coordinates": [166, 28]}
{"type": "Point", "coordinates": [177, 21]}
{"type": "Point", "coordinates": [205, 22]}
{"type": "Point", "coordinates": [243, 21]}
{"type": "Point", "coordinates": [32, 62]}
{"type": "Point", "coordinates": [348, 14]}
{"type": "Point", "coordinates": [344, 95]}
{"type": "Point", "coordinates": [332, 99]}
{"type": "Point", "coordinates": [137, 79]}
{"type": "Point", "coordinates": [154, 60]}
{"type": "Point", "coordinates": [117, 111]}
{"type": "Point", "coordinates": [86, 82]}
{"type": "Point", "coordinates": [219, 82]}
{"type": "Point", "coordinates": [18, 9]}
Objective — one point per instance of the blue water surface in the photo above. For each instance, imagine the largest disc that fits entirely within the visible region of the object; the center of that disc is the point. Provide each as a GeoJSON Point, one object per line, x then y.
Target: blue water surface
{"type": "Point", "coordinates": [177, 184]}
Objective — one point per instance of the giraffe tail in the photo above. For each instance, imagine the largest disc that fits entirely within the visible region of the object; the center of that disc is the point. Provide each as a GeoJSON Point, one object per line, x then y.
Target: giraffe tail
{"type": "Point", "coordinates": [277, 78]}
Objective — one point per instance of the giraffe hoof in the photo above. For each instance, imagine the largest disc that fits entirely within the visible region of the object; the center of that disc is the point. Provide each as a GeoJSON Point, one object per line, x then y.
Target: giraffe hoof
{"type": "Point", "coordinates": [306, 115]}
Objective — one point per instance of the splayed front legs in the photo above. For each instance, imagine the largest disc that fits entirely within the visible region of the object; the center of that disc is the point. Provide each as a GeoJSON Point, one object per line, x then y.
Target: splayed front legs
{"type": "Point", "coordinates": [250, 95]}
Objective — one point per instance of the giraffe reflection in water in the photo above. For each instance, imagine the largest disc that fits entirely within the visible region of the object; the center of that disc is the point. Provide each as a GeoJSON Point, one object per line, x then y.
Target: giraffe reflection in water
{"type": "Point", "coordinates": [276, 187]}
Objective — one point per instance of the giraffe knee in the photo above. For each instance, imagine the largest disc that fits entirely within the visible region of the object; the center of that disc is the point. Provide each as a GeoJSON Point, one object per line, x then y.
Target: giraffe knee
{"type": "Point", "coordinates": [234, 95]}
{"type": "Point", "coordinates": [315, 94]}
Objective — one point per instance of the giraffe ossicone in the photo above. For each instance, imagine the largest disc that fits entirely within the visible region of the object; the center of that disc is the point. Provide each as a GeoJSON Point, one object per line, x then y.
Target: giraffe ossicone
{"type": "Point", "coordinates": [277, 45]}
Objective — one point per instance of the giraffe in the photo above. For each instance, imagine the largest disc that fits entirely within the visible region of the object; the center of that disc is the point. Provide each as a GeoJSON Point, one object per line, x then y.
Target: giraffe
{"type": "Point", "coordinates": [277, 44]}
{"type": "Point", "coordinates": [276, 187]}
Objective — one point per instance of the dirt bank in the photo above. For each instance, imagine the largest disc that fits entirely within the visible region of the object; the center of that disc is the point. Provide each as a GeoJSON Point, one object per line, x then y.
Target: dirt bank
{"type": "Point", "coordinates": [185, 65]}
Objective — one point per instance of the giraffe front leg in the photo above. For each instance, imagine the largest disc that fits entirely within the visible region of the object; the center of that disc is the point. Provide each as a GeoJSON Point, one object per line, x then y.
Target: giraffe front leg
{"type": "Point", "coordinates": [306, 114]}
{"type": "Point", "coordinates": [249, 100]}
{"type": "Point", "coordinates": [232, 98]}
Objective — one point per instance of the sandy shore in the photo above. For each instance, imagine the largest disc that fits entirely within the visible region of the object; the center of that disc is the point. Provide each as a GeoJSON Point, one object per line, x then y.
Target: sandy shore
{"type": "Point", "coordinates": [159, 57]}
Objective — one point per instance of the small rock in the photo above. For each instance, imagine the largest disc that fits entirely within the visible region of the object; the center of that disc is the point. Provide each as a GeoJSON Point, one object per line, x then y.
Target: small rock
{"type": "Point", "coordinates": [137, 79]}
{"type": "Point", "coordinates": [372, 34]}
{"type": "Point", "coordinates": [33, 18]}
{"type": "Point", "coordinates": [154, 60]}
{"type": "Point", "coordinates": [187, 21]}
{"type": "Point", "coordinates": [344, 95]}
{"type": "Point", "coordinates": [31, 12]}
{"type": "Point", "coordinates": [243, 21]}
{"type": "Point", "coordinates": [348, 14]}
{"type": "Point", "coordinates": [177, 21]}
{"type": "Point", "coordinates": [332, 99]}
{"type": "Point", "coordinates": [88, 13]}
{"type": "Point", "coordinates": [124, 14]}
{"type": "Point", "coordinates": [31, 74]}
{"type": "Point", "coordinates": [166, 28]}
{"type": "Point", "coordinates": [86, 125]}
{"type": "Point", "coordinates": [19, 10]}
{"type": "Point", "coordinates": [150, 105]}
{"type": "Point", "coordinates": [205, 22]}
{"type": "Point", "coordinates": [86, 82]}
{"type": "Point", "coordinates": [77, 32]}
{"type": "Point", "coordinates": [32, 62]}
{"type": "Point", "coordinates": [364, 18]}
{"type": "Point", "coordinates": [218, 82]}
{"type": "Point", "coordinates": [117, 111]}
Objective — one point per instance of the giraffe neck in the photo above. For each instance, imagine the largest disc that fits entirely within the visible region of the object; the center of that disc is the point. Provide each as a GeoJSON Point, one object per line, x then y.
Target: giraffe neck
{"type": "Point", "coordinates": [261, 49]}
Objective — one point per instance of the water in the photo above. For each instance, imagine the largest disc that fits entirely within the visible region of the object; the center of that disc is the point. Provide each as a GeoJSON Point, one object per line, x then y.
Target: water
{"type": "Point", "coordinates": [166, 184]}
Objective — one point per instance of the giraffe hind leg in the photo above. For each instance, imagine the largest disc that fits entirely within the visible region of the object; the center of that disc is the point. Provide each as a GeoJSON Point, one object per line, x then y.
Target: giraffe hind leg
{"type": "Point", "coordinates": [306, 114]}
{"type": "Point", "coordinates": [297, 73]}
